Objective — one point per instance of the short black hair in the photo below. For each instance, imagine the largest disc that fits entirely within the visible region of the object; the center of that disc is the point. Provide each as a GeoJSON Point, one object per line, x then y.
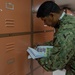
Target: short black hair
{"type": "Point", "coordinates": [47, 7]}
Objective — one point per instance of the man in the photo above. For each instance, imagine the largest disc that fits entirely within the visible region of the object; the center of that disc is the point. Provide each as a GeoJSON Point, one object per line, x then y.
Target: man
{"type": "Point", "coordinates": [62, 55]}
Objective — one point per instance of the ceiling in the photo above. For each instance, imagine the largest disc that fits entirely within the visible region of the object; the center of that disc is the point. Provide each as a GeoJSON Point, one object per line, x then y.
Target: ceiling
{"type": "Point", "coordinates": [66, 3]}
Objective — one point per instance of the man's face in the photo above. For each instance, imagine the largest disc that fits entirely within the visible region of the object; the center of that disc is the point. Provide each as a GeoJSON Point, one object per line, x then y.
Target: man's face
{"type": "Point", "coordinates": [50, 20]}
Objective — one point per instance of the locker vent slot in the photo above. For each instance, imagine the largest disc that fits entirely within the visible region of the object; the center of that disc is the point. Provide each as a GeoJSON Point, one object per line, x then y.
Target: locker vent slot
{"type": "Point", "coordinates": [9, 23]}
{"type": "Point", "coordinates": [10, 47]}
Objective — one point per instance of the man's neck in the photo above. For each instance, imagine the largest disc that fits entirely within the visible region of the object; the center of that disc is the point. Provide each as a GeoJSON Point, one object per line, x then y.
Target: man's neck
{"type": "Point", "coordinates": [61, 13]}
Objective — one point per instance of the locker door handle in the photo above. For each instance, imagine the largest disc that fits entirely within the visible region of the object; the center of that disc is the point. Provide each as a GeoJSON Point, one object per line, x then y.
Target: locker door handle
{"type": "Point", "coordinates": [1, 10]}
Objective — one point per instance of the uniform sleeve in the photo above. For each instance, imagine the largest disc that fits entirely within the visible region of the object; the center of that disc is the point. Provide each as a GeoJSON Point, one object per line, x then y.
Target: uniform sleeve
{"type": "Point", "coordinates": [61, 53]}
{"type": "Point", "coordinates": [50, 43]}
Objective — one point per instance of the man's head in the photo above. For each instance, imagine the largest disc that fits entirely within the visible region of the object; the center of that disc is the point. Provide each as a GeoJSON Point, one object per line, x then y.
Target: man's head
{"type": "Point", "coordinates": [49, 12]}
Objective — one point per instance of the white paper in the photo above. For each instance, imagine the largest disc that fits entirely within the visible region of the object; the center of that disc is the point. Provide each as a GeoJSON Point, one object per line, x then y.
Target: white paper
{"type": "Point", "coordinates": [34, 53]}
{"type": "Point", "coordinates": [43, 48]}
{"type": "Point", "coordinates": [59, 72]}
{"type": "Point", "coordinates": [38, 52]}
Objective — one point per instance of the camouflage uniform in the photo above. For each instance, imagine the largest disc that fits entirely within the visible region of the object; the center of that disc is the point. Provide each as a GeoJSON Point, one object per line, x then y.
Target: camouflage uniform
{"type": "Point", "coordinates": [62, 55]}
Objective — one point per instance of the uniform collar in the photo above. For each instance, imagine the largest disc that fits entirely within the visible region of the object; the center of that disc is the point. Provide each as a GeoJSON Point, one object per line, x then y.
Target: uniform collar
{"type": "Point", "coordinates": [62, 16]}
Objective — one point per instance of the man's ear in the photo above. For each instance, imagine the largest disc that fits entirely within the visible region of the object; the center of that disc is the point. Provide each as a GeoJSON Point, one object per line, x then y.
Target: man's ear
{"type": "Point", "coordinates": [52, 14]}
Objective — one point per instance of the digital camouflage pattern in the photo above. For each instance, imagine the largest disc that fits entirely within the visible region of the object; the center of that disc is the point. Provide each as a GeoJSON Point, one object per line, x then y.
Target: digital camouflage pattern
{"type": "Point", "coordinates": [62, 55]}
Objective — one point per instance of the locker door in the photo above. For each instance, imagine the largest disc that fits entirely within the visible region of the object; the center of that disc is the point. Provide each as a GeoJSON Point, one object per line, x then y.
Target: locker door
{"type": "Point", "coordinates": [15, 16]}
